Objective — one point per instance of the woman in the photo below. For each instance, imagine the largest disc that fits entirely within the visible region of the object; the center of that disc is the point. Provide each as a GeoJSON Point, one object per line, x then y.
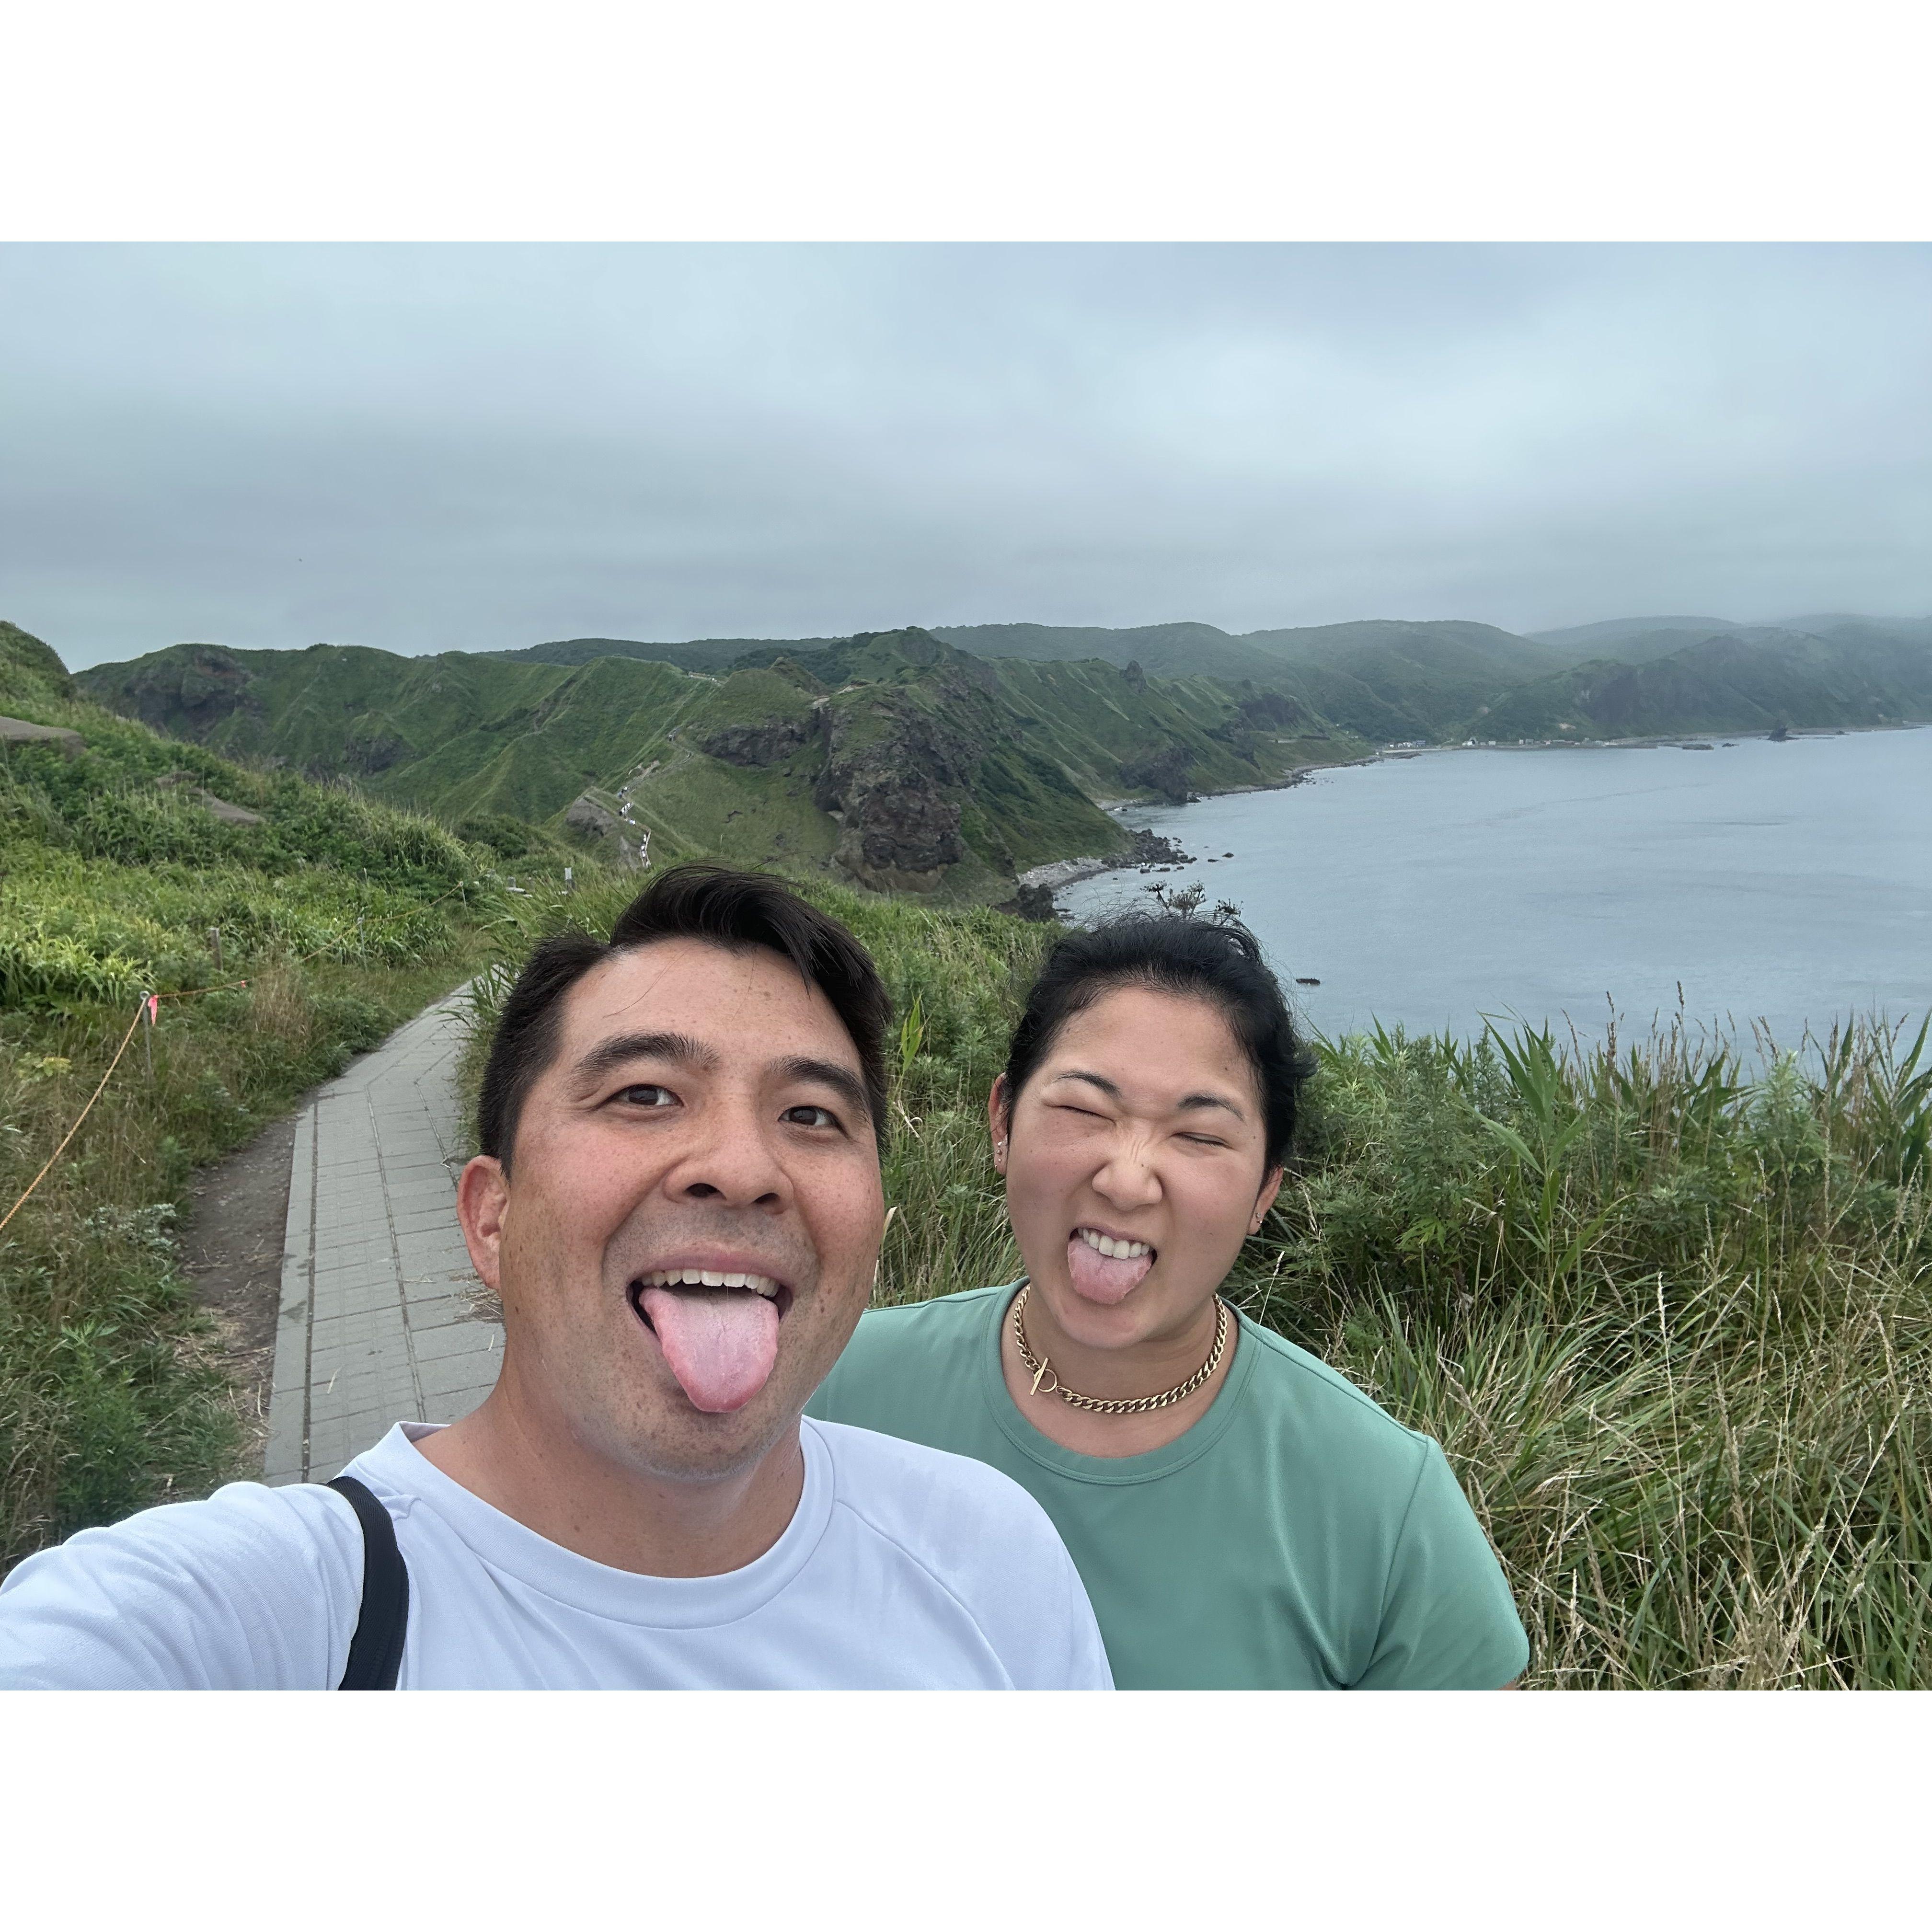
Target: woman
{"type": "Point", "coordinates": [1243, 1517]}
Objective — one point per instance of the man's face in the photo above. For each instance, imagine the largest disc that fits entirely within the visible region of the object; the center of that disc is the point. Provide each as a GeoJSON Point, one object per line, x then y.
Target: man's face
{"type": "Point", "coordinates": [703, 1118]}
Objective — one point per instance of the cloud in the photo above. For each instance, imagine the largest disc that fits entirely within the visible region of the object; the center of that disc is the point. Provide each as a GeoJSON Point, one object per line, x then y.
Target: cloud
{"type": "Point", "coordinates": [435, 448]}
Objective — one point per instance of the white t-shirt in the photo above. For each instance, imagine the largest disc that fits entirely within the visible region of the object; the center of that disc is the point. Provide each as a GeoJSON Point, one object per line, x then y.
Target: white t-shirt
{"type": "Point", "coordinates": [904, 1568]}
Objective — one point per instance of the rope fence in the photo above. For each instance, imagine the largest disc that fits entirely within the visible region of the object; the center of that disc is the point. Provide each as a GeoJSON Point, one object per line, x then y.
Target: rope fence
{"type": "Point", "coordinates": [149, 1009]}
{"type": "Point", "coordinates": [141, 1013]}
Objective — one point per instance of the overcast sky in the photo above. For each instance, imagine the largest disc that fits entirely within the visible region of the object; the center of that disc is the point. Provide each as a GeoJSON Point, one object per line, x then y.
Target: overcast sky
{"type": "Point", "coordinates": [436, 447]}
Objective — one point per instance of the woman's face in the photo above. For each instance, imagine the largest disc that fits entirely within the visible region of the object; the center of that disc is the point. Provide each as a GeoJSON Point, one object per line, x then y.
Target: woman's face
{"type": "Point", "coordinates": [1135, 1167]}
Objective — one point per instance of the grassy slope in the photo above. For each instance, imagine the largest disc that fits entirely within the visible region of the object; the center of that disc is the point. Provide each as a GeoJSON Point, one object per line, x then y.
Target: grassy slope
{"type": "Point", "coordinates": [1384, 681]}
{"type": "Point", "coordinates": [1425, 677]}
{"type": "Point", "coordinates": [344, 918]}
{"type": "Point", "coordinates": [1673, 1328]}
{"type": "Point", "coordinates": [706, 654]}
{"type": "Point", "coordinates": [469, 736]}
{"type": "Point", "coordinates": [1748, 682]}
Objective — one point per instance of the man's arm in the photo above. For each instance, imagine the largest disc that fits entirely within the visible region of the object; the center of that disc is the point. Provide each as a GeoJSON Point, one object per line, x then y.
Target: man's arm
{"type": "Point", "coordinates": [255, 1589]}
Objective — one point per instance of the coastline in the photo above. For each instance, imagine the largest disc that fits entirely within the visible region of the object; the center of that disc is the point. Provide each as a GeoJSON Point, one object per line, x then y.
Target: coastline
{"type": "Point", "coordinates": [1061, 873]}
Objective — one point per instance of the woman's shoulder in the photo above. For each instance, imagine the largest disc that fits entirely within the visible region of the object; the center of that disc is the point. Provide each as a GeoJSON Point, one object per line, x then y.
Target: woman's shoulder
{"type": "Point", "coordinates": [1291, 1389]}
{"type": "Point", "coordinates": [902, 1360]}
{"type": "Point", "coordinates": [944, 1319]}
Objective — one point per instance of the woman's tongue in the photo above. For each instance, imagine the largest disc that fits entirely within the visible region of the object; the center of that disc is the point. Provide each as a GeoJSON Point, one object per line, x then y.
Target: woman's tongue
{"type": "Point", "coordinates": [721, 1342]}
{"type": "Point", "coordinates": [1104, 1278]}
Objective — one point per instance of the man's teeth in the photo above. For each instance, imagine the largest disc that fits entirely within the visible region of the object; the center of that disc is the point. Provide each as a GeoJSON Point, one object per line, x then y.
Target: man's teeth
{"type": "Point", "coordinates": [759, 1284]}
{"type": "Point", "coordinates": [1119, 1251]}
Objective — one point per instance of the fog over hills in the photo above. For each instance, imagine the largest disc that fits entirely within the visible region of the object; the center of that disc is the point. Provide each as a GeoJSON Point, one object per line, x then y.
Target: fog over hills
{"type": "Point", "coordinates": [1392, 681]}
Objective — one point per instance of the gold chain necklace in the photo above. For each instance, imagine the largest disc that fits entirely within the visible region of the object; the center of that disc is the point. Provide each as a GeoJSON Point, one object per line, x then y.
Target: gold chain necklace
{"type": "Point", "coordinates": [1042, 1370]}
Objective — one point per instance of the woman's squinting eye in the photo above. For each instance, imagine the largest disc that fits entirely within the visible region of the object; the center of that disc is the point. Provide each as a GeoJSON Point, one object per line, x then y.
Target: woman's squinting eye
{"type": "Point", "coordinates": [811, 1117]}
{"type": "Point", "coordinates": [644, 1095]}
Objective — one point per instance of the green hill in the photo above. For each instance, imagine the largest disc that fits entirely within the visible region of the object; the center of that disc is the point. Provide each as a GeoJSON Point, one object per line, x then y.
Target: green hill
{"type": "Point", "coordinates": [891, 758]}
{"type": "Point", "coordinates": [1388, 681]}
{"type": "Point", "coordinates": [1384, 681]}
{"type": "Point", "coordinates": [1392, 680]}
{"type": "Point", "coordinates": [698, 654]}
{"type": "Point", "coordinates": [1381, 681]}
{"type": "Point", "coordinates": [284, 925]}
{"type": "Point", "coordinates": [1737, 681]}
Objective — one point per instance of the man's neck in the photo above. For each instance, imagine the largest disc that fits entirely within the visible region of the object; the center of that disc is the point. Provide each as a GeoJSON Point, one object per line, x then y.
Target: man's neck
{"type": "Point", "coordinates": [552, 1483]}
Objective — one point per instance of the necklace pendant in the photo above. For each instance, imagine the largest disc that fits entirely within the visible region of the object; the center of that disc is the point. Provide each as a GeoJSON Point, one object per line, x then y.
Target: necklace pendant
{"type": "Point", "coordinates": [1044, 1370]}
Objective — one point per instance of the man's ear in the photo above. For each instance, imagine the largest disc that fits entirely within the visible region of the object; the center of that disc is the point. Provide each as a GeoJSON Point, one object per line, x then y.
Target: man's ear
{"type": "Point", "coordinates": [482, 1196]}
{"type": "Point", "coordinates": [996, 1119]}
{"type": "Point", "coordinates": [1270, 1191]}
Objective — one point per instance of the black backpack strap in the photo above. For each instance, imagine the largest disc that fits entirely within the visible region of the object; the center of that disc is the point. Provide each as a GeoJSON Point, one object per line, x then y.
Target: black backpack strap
{"type": "Point", "coordinates": [375, 1651]}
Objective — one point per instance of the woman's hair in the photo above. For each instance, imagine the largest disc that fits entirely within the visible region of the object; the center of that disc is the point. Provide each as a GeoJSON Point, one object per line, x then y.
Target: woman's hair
{"type": "Point", "coordinates": [1218, 960]}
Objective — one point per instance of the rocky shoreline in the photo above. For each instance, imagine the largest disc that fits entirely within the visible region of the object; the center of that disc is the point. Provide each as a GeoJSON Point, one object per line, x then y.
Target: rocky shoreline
{"type": "Point", "coordinates": [1037, 897]}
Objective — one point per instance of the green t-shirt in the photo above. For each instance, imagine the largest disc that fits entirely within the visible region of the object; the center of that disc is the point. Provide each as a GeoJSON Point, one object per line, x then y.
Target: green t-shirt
{"type": "Point", "coordinates": [1297, 1536]}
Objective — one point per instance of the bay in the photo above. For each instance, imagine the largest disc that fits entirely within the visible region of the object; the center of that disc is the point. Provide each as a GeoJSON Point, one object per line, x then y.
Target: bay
{"type": "Point", "coordinates": [1790, 883]}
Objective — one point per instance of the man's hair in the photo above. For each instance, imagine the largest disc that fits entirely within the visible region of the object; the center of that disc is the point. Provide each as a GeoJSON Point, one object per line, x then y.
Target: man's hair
{"type": "Point", "coordinates": [737, 911]}
{"type": "Point", "coordinates": [1219, 961]}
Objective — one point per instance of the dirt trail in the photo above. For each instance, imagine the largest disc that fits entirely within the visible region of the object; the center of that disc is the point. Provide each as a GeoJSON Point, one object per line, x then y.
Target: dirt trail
{"type": "Point", "coordinates": [232, 1250]}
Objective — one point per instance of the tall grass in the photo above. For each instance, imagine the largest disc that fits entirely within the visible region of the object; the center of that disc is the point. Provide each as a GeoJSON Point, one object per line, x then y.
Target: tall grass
{"type": "Point", "coordinates": [343, 919]}
{"type": "Point", "coordinates": [1672, 1324]}
{"type": "Point", "coordinates": [113, 1392]}
{"type": "Point", "coordinates": [1670, 1319]}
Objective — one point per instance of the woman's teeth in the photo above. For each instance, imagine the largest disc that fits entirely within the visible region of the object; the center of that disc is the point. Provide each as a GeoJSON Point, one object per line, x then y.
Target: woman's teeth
{"type": "Point", "coordinates": [758, 1284]}
{"type": "Point", "coordinates": [1105, 1244]}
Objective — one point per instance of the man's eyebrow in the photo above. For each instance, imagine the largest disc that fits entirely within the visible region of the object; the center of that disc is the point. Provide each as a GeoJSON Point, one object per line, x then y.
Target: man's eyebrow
{"type": "Point", "coordinates": [608, 1055]}
{"type": "Point", "coordinates": [829, 1073]}
{"type": "Point", "coordinates": [1188, 1103]}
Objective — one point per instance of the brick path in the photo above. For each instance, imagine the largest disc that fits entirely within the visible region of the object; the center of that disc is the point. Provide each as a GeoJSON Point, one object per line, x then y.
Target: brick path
{"type": "Point", "coordinates": [376, 1283]}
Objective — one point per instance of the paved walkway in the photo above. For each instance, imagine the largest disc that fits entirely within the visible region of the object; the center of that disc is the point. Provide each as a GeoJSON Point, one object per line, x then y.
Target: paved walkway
{"type": "Point", "coordinates": [376, 1286]}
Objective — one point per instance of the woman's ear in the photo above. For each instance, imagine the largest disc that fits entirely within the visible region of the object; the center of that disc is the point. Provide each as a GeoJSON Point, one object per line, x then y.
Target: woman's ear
{"type": "Point", "coordinates": [1270, 1191]}
{"type": "Point", "coordinates": [996, 1119]}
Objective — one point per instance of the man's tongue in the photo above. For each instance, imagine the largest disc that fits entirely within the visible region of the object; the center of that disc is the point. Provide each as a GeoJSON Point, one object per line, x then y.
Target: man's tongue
{"type": "Point", "coordinates": [1105, 1278]}
{"type": "Point", "coordinates": [721, 1342]}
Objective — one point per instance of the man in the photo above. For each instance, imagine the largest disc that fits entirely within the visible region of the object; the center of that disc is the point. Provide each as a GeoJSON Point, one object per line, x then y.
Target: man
{"type": "Point", "coordinates": [678, 1203]}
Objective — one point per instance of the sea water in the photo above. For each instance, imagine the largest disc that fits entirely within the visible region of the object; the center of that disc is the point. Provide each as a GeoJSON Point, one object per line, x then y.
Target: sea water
{"type": "Point", "coordinates": [1788, 884]}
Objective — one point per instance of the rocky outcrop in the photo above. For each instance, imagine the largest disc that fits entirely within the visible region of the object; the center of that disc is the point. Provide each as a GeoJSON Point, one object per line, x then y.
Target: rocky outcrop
{"type": "Point", "coordinates": [1155, 848]}
{"type": "Point", "coordinates": [769, 743]}
{"type": "Point", "coordinates": [18, 731]}
{"type": "Point", "coordinates": [217, 808]}
{"type": "Point", "coordinates": [1031, 901]}
{"type": "Point", "coordinates": [188, 691]}
{"type": "Point", "coordinates": [1163, 770]}
{"type": "Point", "coordinates": [1271, 710]}
{"type": "Point", "coordinates": [889, 766]}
